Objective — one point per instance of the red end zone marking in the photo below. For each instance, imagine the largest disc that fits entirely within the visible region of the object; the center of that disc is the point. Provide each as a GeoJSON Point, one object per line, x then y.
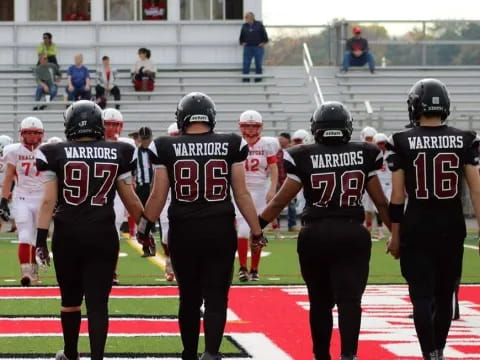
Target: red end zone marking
{"type": "Point", "coordinates": [281, 313]}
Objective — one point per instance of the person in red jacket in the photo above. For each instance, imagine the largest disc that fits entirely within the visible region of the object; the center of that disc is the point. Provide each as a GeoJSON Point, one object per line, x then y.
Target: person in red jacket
{"type": "Point", "coordinates": [154, 10]}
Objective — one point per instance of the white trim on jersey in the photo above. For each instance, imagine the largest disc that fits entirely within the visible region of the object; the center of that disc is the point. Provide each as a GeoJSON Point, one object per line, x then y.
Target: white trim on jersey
{"type": "Point", "coordinates": [294, 177]}
{"type": "Point", "coordinates": [125, 175]}
{"type": "Point", "coordinates": [288, 157]}
{"type": "Point", "coordinates": [40, 155]}
{"type": "Point", "coordinates": [158, 166]}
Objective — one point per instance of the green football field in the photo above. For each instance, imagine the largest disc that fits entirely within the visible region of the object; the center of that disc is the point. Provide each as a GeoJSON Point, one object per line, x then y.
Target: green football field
{"type": "Point", "coordinates": [279, 264]}
{"type": "Point", "coordinates": [144, 315]}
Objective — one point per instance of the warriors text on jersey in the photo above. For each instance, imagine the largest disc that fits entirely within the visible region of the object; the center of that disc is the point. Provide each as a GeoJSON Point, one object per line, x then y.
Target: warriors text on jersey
{"type": "Point", "coordinates": [199, 169]}
{"type": "Point", "coordinates": [28, 178]}
{"type": "Point", "coordinates": [433, 160]}
{"type": "Point", "coordinates": [333, 177]}
{"type": "Point", "coordinates": [260, 155]}
{"type": "Point", "coordinates": [87, 173]}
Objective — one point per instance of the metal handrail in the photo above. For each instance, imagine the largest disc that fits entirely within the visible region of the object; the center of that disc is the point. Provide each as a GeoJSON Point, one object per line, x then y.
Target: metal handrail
{"type": "Point", "coordinates": [308, 64]}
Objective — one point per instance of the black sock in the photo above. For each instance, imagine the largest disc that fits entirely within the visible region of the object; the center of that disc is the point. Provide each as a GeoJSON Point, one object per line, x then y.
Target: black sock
{"type": "Point", "coordinates": [71, 330]}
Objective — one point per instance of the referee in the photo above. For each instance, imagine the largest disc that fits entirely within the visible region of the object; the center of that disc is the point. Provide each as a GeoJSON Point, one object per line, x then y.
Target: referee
{"type": "Point", "coordinates": [144, 172]}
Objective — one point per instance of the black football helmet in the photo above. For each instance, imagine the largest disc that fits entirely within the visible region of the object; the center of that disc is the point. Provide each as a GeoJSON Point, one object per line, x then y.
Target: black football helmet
{"type": "Point", "coordinates": [332, 123]}
{"type": "Point", "coordinates": [84, 118]}
{"type": "Point", "coordinates": [195, 107]}
{"type": "Point", "coordinates": [428, 97]}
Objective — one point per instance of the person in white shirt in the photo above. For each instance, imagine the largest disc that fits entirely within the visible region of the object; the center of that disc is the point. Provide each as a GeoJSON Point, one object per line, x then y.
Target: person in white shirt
{"type": "Point", "coordinates": [261, 160]}
{"type": "Point", "coordinates": [384, 175]}
{"type": "Point", "coordinates": [366, 135]}
{"type": "Point", "coordinates": [27, 197]}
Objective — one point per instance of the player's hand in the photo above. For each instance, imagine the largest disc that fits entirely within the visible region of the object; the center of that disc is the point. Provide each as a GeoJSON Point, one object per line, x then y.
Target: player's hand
{"type": "Point", "coordinates": [257, 242]}
{"type": "Point", "coordinates": [393, 247]}
{"type": "Point", "coordinates": [42, 257]}
{"type": "Point", "coordinates": [4, 210]}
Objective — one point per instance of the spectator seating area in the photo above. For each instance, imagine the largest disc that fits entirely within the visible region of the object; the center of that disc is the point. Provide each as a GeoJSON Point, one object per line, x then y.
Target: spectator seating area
{"type": "Point", "coordinates": [281, 97]}
{"type": "Point", "coordinates": [284, 97]}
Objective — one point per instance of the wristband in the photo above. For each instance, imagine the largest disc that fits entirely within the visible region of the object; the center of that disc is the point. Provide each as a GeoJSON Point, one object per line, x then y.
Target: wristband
{"type": "Point", "coordinates": [41, 238]}
{"type": "Point", "coordinates": [145, 225]}
{"type": "Point", "coordinates": [3, 202]}
{"type": "Point", "coordinates": [396, 212]}
{"type": "Point", "coordinates": [263, 222]}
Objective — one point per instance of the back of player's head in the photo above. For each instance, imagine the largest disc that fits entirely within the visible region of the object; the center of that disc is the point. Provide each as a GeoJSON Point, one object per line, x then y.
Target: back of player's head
{"type": "Point", "coordinates": [195, 107]}
{"type": "Point", "coordinates": [428, 97]}
{"type": "Point", "coordinates": [380, 138]}
{"type": "Point", "coordinates": [332, 123]}
{"type": "Point", "coordinates": [84, 119]}
{"type": "Point", "coordinates": [300, 136]}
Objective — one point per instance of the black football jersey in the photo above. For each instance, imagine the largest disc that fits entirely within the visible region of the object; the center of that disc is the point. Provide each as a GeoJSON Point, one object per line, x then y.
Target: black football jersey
{"type": "Point", "coordinates": [333, 177]}
{"type": "Point", "coordinates": [433, 160]}
{"type": "Point", "coordinates": [199, 169]}
{"type": "Point", "coordinates": [87, 173]}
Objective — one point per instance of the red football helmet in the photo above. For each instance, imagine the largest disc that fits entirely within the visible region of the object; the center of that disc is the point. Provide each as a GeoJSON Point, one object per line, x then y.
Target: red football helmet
{"type": "Point", "coordinates": [251, 125]}
{"type": "Point", "coordinates": [113, 121]}
{"type": "Point", "coordinates": [31, 132]}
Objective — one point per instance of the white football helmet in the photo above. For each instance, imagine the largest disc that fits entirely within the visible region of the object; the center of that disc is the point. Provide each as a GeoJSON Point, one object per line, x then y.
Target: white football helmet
{"type": "Point", "coordinates": [54, 140]}
{"type": "Point", "coordinates": [301, 136]}
{"type": "Point", "coordinates": [379, 138]}
{"type": "Point", "coordinates": [31, 131]}
{"type": "Point", "coordinates": [367, 134]}
{"type": "Point", "coordinates": [251, 124]}
{"type": "Point", "coordinates": [173, 129]}
{"type": "Point", "coordinates": [113, 121]}
{"type": "Point", "coordinates": [4, 141]}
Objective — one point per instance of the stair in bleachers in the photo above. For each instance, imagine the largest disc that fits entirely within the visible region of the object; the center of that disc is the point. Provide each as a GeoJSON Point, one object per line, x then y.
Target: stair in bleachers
{"type": "Point", "coordinates": [387, 90]}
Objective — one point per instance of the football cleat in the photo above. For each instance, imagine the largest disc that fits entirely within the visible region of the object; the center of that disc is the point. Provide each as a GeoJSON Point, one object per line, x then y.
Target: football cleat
{"type": "Point", "coordinates": [254, 275]}
{"type": "Point", "coordinates": [243, 274]}
{"type": "Point", "coordinates": [25, 281]}
{"type": "Point", "coordinates": [61, 356]}
{"type": "Point", "coordinates": [169, 274]}
{"type": "Point", "coordinates": [208, 356]}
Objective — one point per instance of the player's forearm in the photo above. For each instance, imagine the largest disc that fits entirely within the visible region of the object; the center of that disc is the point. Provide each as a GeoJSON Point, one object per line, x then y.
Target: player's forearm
{"type": "Point", "coordinates": [7, 185]}
{"type": "Point", "coordinates": [246, 206]}
{"type": "Point", "coordinates": [45, 214]}
{"type": "Point", "coordinates": [273, 177]}
{"type": "Point", "coordinates": [273, 209]}
{"type": "Point", "coordinates": [473, 181]}
{"type": "Point", "coordinates": [131, 201]}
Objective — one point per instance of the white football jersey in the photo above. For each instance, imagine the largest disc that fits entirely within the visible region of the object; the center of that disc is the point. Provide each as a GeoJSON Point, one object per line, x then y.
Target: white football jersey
{"type": "Point", "coordinates": [28, 178]}
{"type": "Point", "coordinates": [385, 175]}
{"type": "Point", "coordinates": [260, 155]}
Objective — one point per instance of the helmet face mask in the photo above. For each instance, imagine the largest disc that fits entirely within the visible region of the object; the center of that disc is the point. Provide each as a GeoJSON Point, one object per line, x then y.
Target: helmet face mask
{"type": "Point", "coordinates": [195, 107]}
{"type": "Point", "coordinates": [428, 97]}
{"type": "Point", "coordinates": [113, 129]}
{"type": "Point", "coordinates": [251, 125]}
{"type": "Point", "coordinates": [332, 123]}
{"type": "Point", "coordinates": [31, 132]}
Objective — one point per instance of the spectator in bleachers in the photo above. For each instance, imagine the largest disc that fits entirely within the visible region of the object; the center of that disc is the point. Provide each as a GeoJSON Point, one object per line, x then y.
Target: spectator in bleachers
{"type": "Point", "coordinates": [106, 83]}
{"type": "Point", "coordinates": [47, 77]}
{"type": "Point", "coordinates": [253, 37]}
{"type": "Point", "coordinates": [154, 10]}
{"type": "Point", "coordinates": [78, 79]}
{"type": "Point", "coordinates": [143, 72]}
{"type": "Point", "coordinates": [49, 48]}
{"type": "Point", "coordinates": [75, 13]}
{"type": "Point", "coordinates": [357, 52]}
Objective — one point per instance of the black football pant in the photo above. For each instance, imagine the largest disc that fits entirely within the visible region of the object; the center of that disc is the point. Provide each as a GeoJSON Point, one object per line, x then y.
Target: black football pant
{"type": "Point", "coordinates": [432, 274]}
{"type": "Point", "coordinates": [334, 259]}
{"type": "Point", "coordinates": [203, 254]}
{"type": "Point", "coordinates": [85, 259]}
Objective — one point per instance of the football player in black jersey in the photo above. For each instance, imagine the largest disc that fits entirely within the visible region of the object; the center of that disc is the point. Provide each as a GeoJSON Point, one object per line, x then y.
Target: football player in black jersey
{"type": "Point", "coordinates": [333, 244]}
{"type": "Point", "coordinates": [428, 164]}
{"type": "Point", "coordinates": [199, 166]}
{"type": "Point", "coordinates": [82, 176]}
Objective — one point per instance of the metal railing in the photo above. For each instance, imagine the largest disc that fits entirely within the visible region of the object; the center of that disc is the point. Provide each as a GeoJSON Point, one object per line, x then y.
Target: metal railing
{"type": "Point", "coordinates": [308, 64]}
